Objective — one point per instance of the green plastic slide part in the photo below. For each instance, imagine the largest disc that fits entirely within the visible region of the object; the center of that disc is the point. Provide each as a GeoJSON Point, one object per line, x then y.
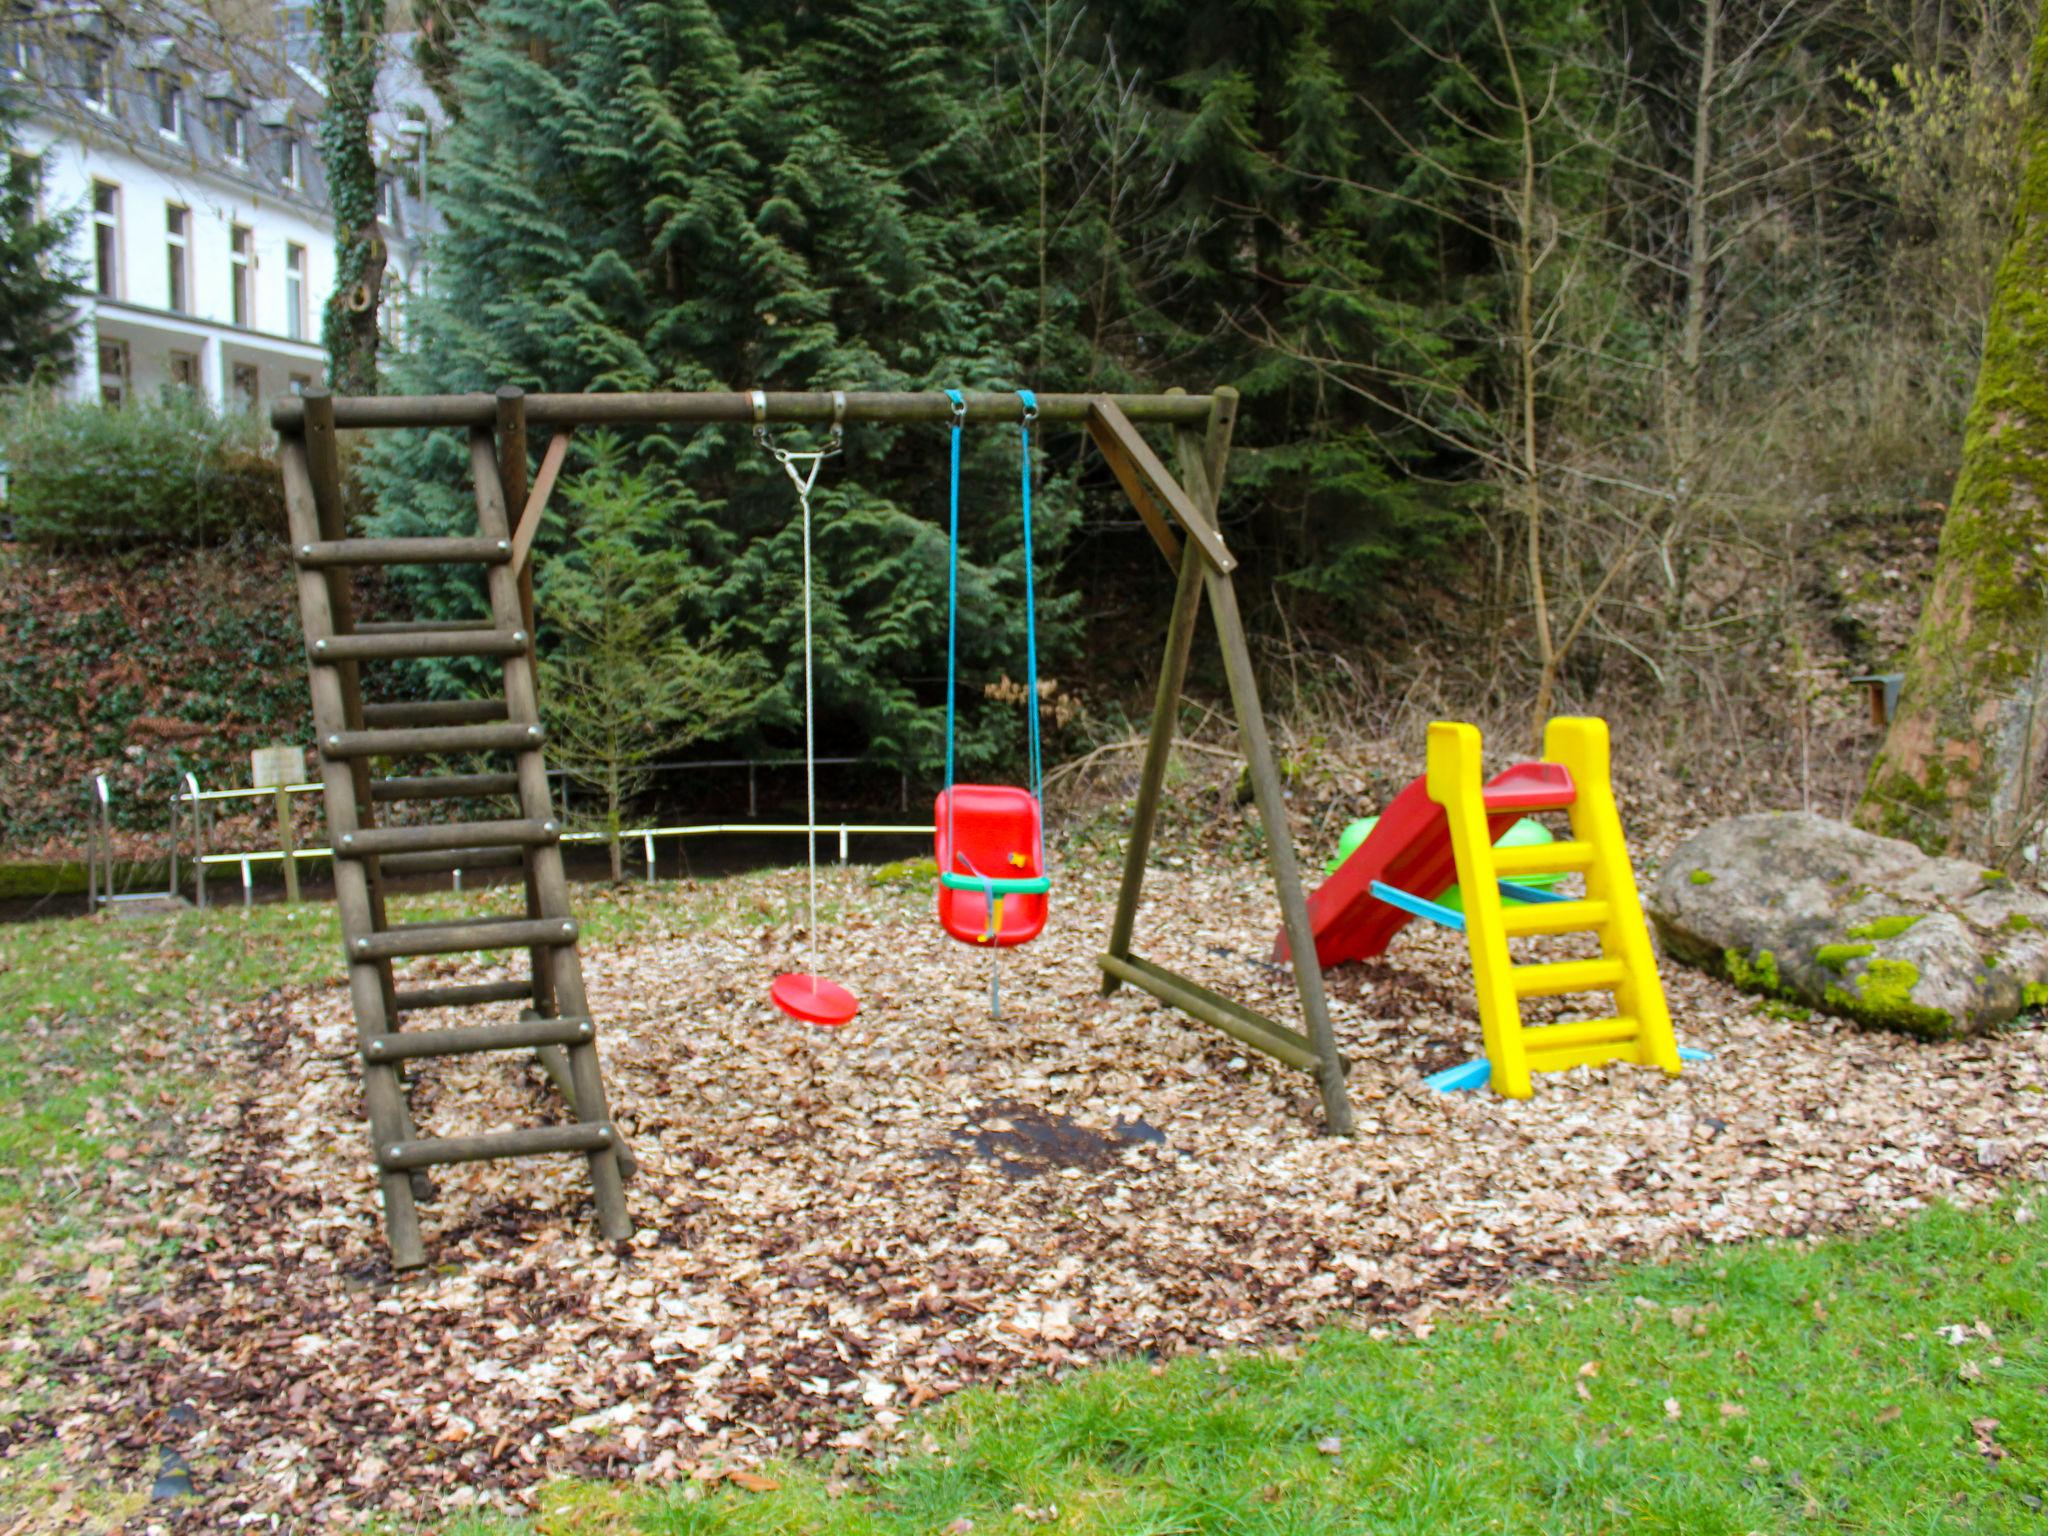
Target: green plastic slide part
{"type": "Point", "coordinates": [1523, 834]}
{"type": "Point", "coordinates": [1036, 886]}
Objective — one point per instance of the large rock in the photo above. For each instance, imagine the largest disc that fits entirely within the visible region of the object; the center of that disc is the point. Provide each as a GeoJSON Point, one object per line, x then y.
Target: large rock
{"type": "Point", "coordinates": [1808, 909]}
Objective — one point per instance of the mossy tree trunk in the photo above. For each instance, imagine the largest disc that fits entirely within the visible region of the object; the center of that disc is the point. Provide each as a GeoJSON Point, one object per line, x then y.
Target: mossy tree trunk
{"type": "Point", "coordinates": [1964, 764]}
{"type": "Point", "coordinates": [351, 50]}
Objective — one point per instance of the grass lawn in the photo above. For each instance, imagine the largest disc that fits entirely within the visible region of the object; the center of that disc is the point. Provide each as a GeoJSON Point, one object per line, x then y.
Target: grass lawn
{"type": "Point", "coordinates": [1890, 1383]}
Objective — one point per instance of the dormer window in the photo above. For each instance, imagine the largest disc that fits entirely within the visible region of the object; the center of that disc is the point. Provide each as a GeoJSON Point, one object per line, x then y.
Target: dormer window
{"type": "Point", "coordinates": [234, 134]}
{"type": "Point", "coordinates": [291, 164]}
{"type": "Point", "coordinates": [96, 78]}
{"type": "Point", "coordinates": [170, 107]}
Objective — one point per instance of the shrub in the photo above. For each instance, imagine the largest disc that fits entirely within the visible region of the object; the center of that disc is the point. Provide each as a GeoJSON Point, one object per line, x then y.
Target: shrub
{"type": "Point", "coordinates": [173, 472]}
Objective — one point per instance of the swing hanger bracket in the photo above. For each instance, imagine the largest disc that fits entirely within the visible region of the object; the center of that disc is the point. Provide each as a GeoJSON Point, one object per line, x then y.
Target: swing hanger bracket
{"type": "Point", "coordinates": [786, 456]}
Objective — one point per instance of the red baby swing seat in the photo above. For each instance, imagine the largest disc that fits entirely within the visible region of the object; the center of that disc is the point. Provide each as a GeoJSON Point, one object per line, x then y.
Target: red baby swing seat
{"type": "Point", "coordinates": [989, 843]}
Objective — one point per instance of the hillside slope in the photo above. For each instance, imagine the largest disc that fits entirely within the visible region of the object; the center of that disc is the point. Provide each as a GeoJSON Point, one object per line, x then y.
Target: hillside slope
{"type": "Point", "coordinates": [141, 667]}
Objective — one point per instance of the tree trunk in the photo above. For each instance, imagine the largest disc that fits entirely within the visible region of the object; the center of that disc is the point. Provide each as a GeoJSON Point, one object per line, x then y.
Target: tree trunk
{"type": "Point", "coordinates": [351, 47]}
{"type": "Point", "coordinates": [1962, 765]}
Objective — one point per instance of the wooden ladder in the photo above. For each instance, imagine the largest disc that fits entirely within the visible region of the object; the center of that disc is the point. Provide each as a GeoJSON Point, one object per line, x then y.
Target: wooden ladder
{"type": "Point", "coordinates": [352, 736]}
{"type": "Point", "coordinates": [1639, 1030]}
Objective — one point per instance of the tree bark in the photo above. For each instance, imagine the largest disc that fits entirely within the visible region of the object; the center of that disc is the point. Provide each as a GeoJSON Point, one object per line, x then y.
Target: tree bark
{"type": "Point", "coordinates": [351, 47]}
{"type": "Point", "coordinates": [1962, 766]}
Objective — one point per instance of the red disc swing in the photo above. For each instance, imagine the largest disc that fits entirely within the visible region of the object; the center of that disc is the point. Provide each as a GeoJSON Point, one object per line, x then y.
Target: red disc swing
{"type": "Point", "coordinates": [989, 839]}
{"type": "Point", "coordinates": [806, 995]}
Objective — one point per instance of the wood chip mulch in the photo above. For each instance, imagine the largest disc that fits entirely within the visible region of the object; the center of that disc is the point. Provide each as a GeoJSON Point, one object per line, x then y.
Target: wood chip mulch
{"type": "Point", "coordinates": [836, 1228]}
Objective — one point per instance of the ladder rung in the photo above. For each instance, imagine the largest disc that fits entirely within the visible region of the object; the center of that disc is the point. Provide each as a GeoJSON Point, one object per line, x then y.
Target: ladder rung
{"type": "Point", "coordinates": [405, 552]}
{"type": "Point", "coordinates": [1540, 1039]}
{"type": "Point", "coordinates": [435, 836]}
{"type": "Point", "coordinates": [446, 786]}
{"type": "Point", "coordinates": [404, 1046]}
{"type": "Point", "coordinates": [1557, 977]}
{"type": "Point", "coordinates": [422, 626]}
{"type": "Point", "coordinates": [432, 738]}
{"type": "Point", "coordinates": [413, 645]}
{"type": "Point", "coordinates": [419, 999]}
{"type": "Point", "coordinates": [528, 1142]}
{"type": "Point", "coordinates": [1543, 859]}
{"type": "Point", "coordinates": [1554, 917]}
{"type": "Point", "coordinates": [435, 712]}
{"type": "Point", "coordinates": [454, 858]}
{"type": "Point", "coordinates": [453, 938]}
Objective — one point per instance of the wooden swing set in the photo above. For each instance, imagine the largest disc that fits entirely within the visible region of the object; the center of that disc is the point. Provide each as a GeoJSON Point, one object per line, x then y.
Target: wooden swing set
{"type": "Point", "coordinates": [359, 740]}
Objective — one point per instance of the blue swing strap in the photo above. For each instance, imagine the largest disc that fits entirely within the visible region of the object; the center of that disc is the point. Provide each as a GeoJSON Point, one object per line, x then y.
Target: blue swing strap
{"type": "Point", "coordinates": [951, 880]}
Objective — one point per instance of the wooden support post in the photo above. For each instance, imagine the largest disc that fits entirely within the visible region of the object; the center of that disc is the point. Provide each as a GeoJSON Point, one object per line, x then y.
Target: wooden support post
{"type": "Point", "coordinates": [511, 456]}
{"type": "Point", "coordinates": [549, 888]}
{"type": "Point", "coordinates": [1203, 496]}
{"type": "Point", "coordinates": [512, 478]}
{"type": "Point", "coordinates": [1173, 672]}
{"type": "Point", "coordinates": [284, 844]}
{"type": "Point", "coordinates": [369, 980]}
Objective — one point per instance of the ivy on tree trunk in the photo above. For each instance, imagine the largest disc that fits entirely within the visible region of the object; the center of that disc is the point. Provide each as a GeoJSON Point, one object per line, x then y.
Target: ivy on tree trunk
{"type": "Point", "coordinates": [351, 48]}
{"type": "Point", "coordinates": [1967, 753]}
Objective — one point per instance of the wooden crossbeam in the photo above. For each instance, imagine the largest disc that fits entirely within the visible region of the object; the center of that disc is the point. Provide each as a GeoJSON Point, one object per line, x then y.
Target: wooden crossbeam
{"type": "Point", "coordinates": [537, 505]}
{"type": "Point", "coordinates": [1108, 423]}
{"type": "Point", "coordinates": [1127, 476]}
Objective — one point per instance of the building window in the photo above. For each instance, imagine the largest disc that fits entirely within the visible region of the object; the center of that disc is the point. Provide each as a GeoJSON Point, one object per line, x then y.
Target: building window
{"type": "Point", "coordinates": [301, 382]}
{"type": "Point", "coordinates": [295, 292]}
{"type": "Point", "coordinates": [178, 256]}
{"type": "Point", "coordinates": [185, 370]}
{"type": "Point", "coordinates": [242, 290]}
{"type": "Point", "coordinates": [170, 107]}
{"type": "Point", "coordinates": [113, 372]}
{"type": "Point", "coordinates": [388, 200]}
{"type": "Point", "coordinates": [393, 317]}
{"type": "Point", "coordinates": [106, 239]}
{"type": "Point", "coordinates": [290, 165]}
{"type": "Point", "coordinates": [97, 78]}
{"type": "Point", "coordinates": [234, 134]}
{"type": "Point", "coordinates": [248, 385]}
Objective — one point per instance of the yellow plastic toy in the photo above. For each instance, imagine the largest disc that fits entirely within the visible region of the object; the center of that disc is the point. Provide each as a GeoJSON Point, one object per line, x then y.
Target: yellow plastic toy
{"type": "Point", "coordinates": [1640, 1028]}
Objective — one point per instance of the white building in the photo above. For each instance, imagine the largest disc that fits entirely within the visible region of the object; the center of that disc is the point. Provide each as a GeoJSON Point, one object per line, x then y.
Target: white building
{"type": "Point", "coordinates": [204, 236]}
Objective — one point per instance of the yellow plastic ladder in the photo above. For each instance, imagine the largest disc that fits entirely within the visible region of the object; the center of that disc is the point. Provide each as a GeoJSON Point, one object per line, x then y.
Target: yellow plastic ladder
{"type": "Point", "coordinates": [1639, 1030]}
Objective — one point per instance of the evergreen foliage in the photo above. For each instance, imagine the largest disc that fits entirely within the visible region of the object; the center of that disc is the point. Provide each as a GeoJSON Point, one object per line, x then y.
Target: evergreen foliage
{"type": "Point", "coordinates": [1549, 310]}
{"type": "Point", "coordinates": [38, 327]}
{"type": "Point", "coordinates": [679, 194]}
{"type": "Point", "coordinates": [622, 686]}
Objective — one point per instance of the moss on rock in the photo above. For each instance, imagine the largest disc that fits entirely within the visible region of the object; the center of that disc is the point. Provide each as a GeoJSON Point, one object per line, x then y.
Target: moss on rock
{"type": "Point", "coordinates": [1886, 927]}
{"type": "Point", "coordinates": [1837, 956]}
{"type": "Point", "coordinates": [1883, 995]}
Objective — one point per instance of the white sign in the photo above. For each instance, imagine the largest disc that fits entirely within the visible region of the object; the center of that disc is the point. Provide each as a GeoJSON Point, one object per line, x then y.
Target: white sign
{"type": "Point", "coordinates": [272, 766]}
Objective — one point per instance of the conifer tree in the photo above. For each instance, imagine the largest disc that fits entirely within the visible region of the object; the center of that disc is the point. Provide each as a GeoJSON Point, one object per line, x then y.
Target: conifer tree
{"type": "Point", "coordinates": [684, 194]}
{"type": "Point", "coordinates": [38, 325]}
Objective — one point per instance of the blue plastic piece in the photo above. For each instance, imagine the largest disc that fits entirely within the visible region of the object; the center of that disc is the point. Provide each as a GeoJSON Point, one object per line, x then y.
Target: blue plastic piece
{"type": "Point", "coordinates": [1529, 893]}
{"type": "Point", "coordinates": [1476, 1073]}
{"type": "Point", "coordinates": [1435, 911]}
{"type": "Point", "coordinates": [1462, 1078]}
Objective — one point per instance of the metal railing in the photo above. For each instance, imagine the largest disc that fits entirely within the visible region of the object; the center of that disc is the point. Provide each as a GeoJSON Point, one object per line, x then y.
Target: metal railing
{"type": "Point", "coordinates": [644, 836]}
{"type": "Point", "coordinates": [192, 814]}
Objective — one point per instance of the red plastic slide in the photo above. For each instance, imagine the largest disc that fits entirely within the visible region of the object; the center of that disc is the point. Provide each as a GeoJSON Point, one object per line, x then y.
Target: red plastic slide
{"type": "Point", "coordinates": [1410, 850]}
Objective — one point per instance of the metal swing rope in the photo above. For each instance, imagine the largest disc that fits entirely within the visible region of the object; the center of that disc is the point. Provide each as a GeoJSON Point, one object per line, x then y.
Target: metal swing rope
{"type": "Point", "coordinates": [803, 480]}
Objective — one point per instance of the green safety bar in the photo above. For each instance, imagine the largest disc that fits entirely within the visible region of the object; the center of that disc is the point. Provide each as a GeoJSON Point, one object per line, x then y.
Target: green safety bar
{"type": "Point", "coordinates": [1036, 886]}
